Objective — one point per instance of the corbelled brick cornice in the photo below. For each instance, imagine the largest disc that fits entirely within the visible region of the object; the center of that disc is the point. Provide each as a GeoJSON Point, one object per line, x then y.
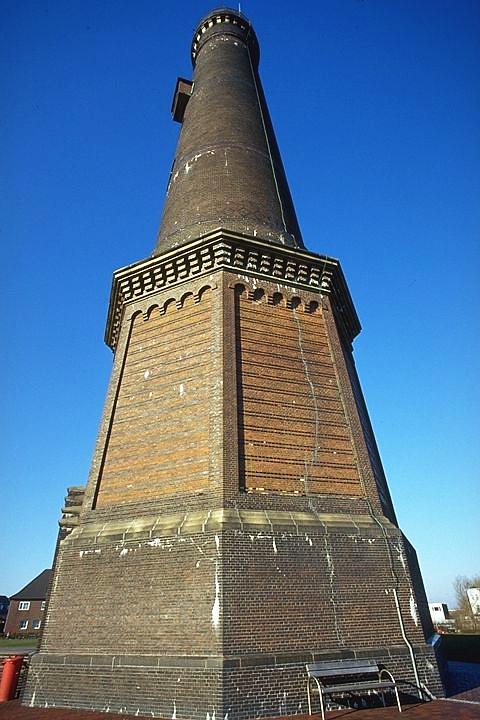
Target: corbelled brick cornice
{"type": "Point", "coordinates": [238, 253]}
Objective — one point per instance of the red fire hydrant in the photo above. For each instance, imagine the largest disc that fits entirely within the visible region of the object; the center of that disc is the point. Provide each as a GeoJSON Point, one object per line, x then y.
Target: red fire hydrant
{"type": "Point", "coordinates": [10, 675]}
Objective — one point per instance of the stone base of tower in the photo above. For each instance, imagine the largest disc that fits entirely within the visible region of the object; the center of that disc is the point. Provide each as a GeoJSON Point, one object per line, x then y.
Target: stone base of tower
{"type": "Point", "coordinates": [218, 612]}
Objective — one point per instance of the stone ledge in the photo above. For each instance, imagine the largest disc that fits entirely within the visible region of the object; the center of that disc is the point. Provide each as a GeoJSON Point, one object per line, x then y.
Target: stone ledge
{"type": "Point", "coordinates": [221, 519]}
{"type": "Point", "coordinates": [219, 662]}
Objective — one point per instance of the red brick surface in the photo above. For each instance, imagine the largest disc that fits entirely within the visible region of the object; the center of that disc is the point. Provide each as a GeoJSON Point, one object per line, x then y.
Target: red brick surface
{"type": "Point", "coordinates": [159, 442]}
{"type": "Point", "coordinates": [296, 437]}
{"type": "Point", "coordinates": [15, 616]}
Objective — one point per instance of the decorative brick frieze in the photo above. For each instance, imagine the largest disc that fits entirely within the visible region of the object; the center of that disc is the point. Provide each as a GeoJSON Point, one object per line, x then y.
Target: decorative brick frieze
{"type": "Point", "coordinates": [247, 255]}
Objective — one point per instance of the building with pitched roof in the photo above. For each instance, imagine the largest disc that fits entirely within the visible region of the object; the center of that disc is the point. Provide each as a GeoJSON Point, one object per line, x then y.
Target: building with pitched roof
{"type": "Point", "coordinates": [27, 607]}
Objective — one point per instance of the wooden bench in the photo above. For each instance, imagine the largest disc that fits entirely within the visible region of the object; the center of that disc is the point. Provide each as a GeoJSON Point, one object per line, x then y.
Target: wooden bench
{"type": "Point", "coordinates": [348, 676]}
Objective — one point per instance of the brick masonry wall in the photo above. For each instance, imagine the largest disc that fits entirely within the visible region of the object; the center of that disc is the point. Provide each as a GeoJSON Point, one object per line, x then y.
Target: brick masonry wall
{"type": "Point", "coordinates": [135, 686]}
{"type": "Point", "coordinates": [252, 601]}
{"type": "Point", "coordinates": [368, 443]}
{"type": "Point", "coordinates": [149, 594]}
{"type": "Point", "coordinates": [226, 477]}
{"type": "Point", "coordinates": [16, 616]}
{"type": "Point", "coordinates": [223, 162]}
{"type": "Point", "coordinates": [254, 689]}
{"type": "Point", "coordinates": [225, 565]}
{"type": "Point", "coordinates": [159, 441]}
{"type": "Point", "coordinates": [327, 588]}
{"type": "Point", "coordinates": [293, 433]}
{"type": "Point", "coordinates": [279, 689]}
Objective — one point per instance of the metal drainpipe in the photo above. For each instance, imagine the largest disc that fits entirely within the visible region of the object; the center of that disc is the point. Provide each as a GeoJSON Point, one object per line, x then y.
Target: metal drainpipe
{"type": "Point", "coordinates": [395, 595]}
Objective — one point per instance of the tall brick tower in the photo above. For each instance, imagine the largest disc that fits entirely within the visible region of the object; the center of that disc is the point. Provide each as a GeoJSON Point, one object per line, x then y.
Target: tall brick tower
{"type": "Point", "coordinates": [237, 522]}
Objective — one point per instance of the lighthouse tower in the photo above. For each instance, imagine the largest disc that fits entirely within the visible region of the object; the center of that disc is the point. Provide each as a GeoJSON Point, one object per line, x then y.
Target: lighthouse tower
{"type": "Point", "coordinates": [237, 522]}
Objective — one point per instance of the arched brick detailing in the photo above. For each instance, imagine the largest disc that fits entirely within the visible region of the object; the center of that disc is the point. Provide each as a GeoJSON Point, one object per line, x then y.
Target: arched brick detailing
{"type": "Point", "coordinates": [293, 433]}
{"type": "Point", "coordinates": [159, 438]}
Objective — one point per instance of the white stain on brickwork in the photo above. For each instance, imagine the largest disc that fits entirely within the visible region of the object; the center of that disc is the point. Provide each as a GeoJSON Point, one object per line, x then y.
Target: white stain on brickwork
{"type": "Point", "coordinates": [197, 546]}
{"type": "Point", "coordinates": [181, 390]}
{"type": "Point", "coordinates": [216, 603]}
{"type": "Point", "coordinates": [329, 559]}
{"type": "Point", "coordinates": [156, 542]}
{"type": "Point", "coordinates": [359, 538]}
{"type": "Point", "coordinates": [206, 521]}
{"type": "Point", "coordinates": [331, 568]}
{"type": "Point", "coordinates": [146, 374]}
{"type": "Point", "coordinates": [413, 609]}
{"type": "Point", "coordinates": [401, 555]}
{"type": "Point", "coordinates": [174, 714]}
{"type": "Point", "coordinates": [189, 165]}
{"type": "Point", "coordinates": [274, 546]}
{"type": "Point", "coordinates": [124, 552]}
{"type": "Point", "coordinates": [82, 553]}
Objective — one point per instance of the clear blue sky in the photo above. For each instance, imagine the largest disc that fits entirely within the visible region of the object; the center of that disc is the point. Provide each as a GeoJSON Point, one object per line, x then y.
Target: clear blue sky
{"type": "Point", "coordinates": [376, 106]}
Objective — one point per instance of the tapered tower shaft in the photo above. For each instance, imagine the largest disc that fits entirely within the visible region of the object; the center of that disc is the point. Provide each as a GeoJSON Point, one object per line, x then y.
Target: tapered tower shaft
{"type": "Point", "coordinates": [227, 170]}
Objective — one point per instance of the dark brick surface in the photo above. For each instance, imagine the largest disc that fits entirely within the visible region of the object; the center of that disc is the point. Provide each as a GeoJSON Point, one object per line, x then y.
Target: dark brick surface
{"type": "Point", "coordinates": [227, 170]}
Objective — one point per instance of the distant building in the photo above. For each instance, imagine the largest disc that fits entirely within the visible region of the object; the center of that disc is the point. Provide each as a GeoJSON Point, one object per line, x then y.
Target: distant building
{"type": "Point", "coordinates": [27, 608]}
{"type": "Point", "coordinates": [4, 603]}
{"type": "Point", "coordinates": [439, 613]}
{"type": "Point", "coordinates": [474, 599]}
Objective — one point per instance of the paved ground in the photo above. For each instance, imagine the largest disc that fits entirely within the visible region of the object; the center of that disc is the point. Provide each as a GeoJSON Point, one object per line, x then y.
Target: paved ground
{"type": "Point", "coordinates": [437, 710]}
{"type": "Point", "coordinates": [463, 681]}
{"type": "Point", "coordinates": [463, 686]}
{"type": "Point", "coordinates": [16, 650]}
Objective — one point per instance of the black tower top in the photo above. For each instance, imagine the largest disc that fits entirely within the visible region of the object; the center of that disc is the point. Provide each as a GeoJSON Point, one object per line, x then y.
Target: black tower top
{"type": "Point", "coordinates": [227, 171]}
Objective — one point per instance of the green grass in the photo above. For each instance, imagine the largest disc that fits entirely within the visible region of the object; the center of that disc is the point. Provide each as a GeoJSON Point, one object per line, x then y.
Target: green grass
{"type": "Point", "coordinates": [5, 643]}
